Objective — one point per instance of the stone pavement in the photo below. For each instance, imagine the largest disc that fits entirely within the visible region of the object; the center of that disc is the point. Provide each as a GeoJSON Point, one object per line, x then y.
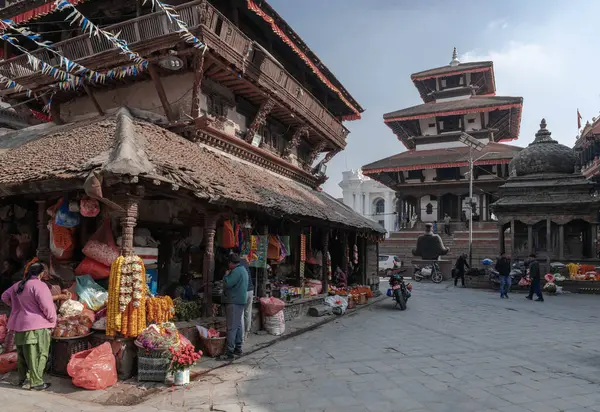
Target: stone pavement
{"type": "Point", "coordinates": [452, 350]}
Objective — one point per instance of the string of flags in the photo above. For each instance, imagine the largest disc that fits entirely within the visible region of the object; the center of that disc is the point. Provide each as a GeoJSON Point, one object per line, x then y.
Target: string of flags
{"type": "Point", "coordinates": [88, 27]}
{"type": "Point", "coordinates": [173, 17]}
{"type": "Point", "coordinates": [11, 84]}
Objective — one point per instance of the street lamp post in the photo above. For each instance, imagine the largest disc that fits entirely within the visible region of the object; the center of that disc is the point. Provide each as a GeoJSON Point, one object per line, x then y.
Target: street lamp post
{"type": "Point", "coordinates": [473, 143]}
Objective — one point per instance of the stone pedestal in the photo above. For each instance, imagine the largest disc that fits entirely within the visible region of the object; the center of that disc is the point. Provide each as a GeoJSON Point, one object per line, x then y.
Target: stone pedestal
{"type": "Point", "coordinates": [444, 264]}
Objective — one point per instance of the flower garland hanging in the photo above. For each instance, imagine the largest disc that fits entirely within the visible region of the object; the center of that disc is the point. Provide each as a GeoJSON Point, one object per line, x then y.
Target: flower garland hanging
{"type": "Point", "coordinates": [88, 27]}
{"type": "Point", "coordinates": [183, 30]}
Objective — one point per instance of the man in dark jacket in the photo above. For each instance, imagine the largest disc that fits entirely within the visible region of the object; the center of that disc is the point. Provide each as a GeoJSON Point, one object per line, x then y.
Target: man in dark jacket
{"type": "Point", "coordinates": [503, 268]}
{"type": "Point", "coordinates": [235, 289]}
{"type": "Point", "coordinates": [459, 267]}
{"type": "Point", "coordinates": [534, 274]}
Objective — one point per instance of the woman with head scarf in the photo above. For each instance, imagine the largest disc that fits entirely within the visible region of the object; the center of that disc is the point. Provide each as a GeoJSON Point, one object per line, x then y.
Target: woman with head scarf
{"type": "Point", "coordinates": [32, 316]}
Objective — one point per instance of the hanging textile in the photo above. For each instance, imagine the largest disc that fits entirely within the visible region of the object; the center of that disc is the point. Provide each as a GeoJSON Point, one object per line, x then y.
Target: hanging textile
{"type": "Point", "coordinates": [302, 248]}
{"type": "Point", "coordinates": [228, 238]}
{"type": "Point", "coordinates": [274, 249]}
{"type": "Point", "coordinates": [355, 254]}
{"type": "Point", "coordinates": [328, 265]}
{"type": "Point", "coordinates": [258, 255]}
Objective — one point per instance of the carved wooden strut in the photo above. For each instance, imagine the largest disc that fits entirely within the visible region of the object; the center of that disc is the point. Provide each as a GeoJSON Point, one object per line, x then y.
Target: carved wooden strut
{"type": "Point", "coordinates": [198, 75]}
{"type": "Point", "coordinates": [260, 119]}
{"type": "Point", "coordinates": [313, 155]}
{"type": "Point", "coordinates": [295, 141]}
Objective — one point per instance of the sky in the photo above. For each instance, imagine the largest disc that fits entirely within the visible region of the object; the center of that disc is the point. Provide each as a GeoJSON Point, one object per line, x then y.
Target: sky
{"type": "Point", "coordinates": [545, 51]}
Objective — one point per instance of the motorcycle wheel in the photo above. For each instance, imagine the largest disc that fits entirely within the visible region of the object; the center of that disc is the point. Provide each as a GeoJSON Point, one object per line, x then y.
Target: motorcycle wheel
{"type": "Point", "coordinates": [437, 277]}
{"type": "Point", "coordinates": [400, 301]}
{"type": "Point", "coordinates": [417, 277]}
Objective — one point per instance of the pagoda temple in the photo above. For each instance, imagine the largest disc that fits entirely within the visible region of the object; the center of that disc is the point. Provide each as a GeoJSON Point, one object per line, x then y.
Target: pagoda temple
{"type": "Point", "coordinates": [431, 177]}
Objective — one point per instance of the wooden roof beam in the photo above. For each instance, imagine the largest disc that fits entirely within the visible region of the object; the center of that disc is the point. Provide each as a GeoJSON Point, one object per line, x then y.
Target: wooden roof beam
{"type": "Point", "coordinates": [162, 95]}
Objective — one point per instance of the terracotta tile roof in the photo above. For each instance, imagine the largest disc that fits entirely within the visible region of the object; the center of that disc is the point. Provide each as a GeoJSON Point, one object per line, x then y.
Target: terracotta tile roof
{"type": "Point", "coordinates": [123, 144]}
{"type": "Point", "coordinates": [475, 103]}
{"type": "Point", "coordinates": [430, 159]}
{"type": "Point", "coordinates": [451, 69]}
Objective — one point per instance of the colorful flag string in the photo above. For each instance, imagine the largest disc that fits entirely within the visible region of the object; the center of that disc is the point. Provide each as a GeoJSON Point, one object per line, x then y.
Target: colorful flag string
{"type": "Point", "coordinates": [11, 84]}
{"type": "Point", "coordinates": [173, 17]}
{"type": "Point", "coordinates": [88, 27]}
{"type": "Point", "coordinates": [69, 65]}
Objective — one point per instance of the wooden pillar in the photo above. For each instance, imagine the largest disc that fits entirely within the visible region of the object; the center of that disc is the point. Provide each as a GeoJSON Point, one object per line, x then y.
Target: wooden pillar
{"type": "Point", "coordinates": [128, 223]}
{"type": "Point", "coordinates": [344, 264]}
{"type": "Point", "coordinates": [501, 246]}
{"type": "Point", "coordinates": [529, 239]}
{"type": "Point", "coordinates": [594, 234]}
{"type": "Point", "coordinates": [548, 238]}
{"type": "Point", "coordinates": [325, 250]}
{"type": "Point", "coordinates": [512, 237]}
{"type": "Point", "coordinates": [208, 263]}
{"type": "Point", "coordinates": [162, 95]}
{"type": "Point", "coordinates": [260, 119]}
{"type": "Point", "coordinates": [561, 242]}
{"type": "Point", "coordinates": [198, 75]}
{"type": "Point", "coordinates": [363, 259]}
{"type": "Point", "coordinates": [43, 247]}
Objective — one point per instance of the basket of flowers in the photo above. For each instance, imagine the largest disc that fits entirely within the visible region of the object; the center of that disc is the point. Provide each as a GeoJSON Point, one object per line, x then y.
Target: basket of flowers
{"type": "Point", "coordinates": [153, 345]}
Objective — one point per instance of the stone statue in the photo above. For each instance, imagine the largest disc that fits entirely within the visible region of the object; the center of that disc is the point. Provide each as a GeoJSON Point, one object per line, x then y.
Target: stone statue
{"type": "Point", "coordinates": [429, 245]}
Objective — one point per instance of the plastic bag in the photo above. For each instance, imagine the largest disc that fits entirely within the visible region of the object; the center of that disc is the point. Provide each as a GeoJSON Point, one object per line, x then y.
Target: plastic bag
{"type": "Point", "coordinates": [96, 270]}
{"type": "Point", "coordinates": [8, 362]}
{"type": "Point", "coordinates": [70, 308]}
{"type": "Point", "coordinates": [9, 342]}
{"type": "Point", "coordinates": [275, 325]}
{"type": "Point", "coordinates": [66, 218]}
{"type": "Point", "coordinates": [101, 247]}
{"type": "Point", "coordinates": [271, 306]}
{"type": "Point", "coordinates": [94, 369]}
{"type": "Point", "coordinates": [61, 241]}
{"type": "Point", "coordinates": [337, 302]}
{"type": "Point", "coordinates": [89, 207]}
{"type": "Point", "coordinates": [91, 293]}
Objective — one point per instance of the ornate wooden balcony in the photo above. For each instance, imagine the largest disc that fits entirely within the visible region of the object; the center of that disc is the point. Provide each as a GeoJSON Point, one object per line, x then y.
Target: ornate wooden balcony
{"type": "Point", "coordinates": [154, 32]}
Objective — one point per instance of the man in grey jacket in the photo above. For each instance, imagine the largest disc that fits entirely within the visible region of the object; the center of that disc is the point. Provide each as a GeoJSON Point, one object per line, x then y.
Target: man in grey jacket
{"type": "Point", "coordinates": [235, 289]}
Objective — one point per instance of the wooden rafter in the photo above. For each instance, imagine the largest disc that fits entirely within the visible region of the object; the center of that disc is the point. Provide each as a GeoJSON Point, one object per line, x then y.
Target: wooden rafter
{"type": "Point", "coordinates": [295, 140]}
{"type": "Point", "coordinates": [160, 90]}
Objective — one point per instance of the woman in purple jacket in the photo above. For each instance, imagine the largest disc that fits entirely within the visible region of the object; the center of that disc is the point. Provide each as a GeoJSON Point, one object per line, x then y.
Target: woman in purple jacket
{"type": "Point", "coordinates": [32, 316]}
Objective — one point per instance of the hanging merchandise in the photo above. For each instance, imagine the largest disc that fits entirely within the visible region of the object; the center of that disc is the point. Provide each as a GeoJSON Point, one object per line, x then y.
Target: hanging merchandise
{"type": "Point", "coordinates": [285, 240]}
{"type": "Point", "coordinates": [96, 270]}
{"type": "Point", "coordinates": [228, 236]}
{"type": "Point", "coordinates": [303, 248]}
{"type": "Point", "coordinates": [62, 242]}
{"type": "Point", "coordinates": [126, 308]}
{"type": "Point", "coordinates": [101, 247]}
{"type": "Point", "coordinates": [274, 248]}
{"type": "Point", "coordinates": [355, 254]}
{"type": "Point", "coordinates": [91, 293]}
{"type": "Point", "coordinates": [66, 218]}
{"type": "Point", "coordinates": [328, 265]}
{"type": "Point", "coordinates": [258, 257]}
{"type": "Point", "coordinates": [159, 309]}
{"type": "Point", "coordinates": [89, 207]}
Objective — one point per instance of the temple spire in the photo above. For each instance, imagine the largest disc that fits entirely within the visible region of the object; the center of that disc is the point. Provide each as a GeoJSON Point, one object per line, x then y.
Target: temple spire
{"type": "Point", "coordinates": [455, 61]}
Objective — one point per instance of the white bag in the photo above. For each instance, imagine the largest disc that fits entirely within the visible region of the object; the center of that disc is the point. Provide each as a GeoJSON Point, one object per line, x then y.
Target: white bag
{"type": "Point", "coordinates": [275, 325]}
{"type": "Point", "coordinates": [70, 308]}
{"type": "Point", "coordinates": [337, 302]}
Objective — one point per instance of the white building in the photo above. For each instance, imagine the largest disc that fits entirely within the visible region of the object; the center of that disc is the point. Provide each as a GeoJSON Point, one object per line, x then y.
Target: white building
{"type": "Point", "coordinates": [370, 198]}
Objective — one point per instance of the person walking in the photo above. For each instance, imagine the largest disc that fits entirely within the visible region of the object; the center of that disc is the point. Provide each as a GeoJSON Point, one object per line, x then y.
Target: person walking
{"type": "Point", "coordinates": [235, 290]}
{"type": "Point", "coordinates": [249, 299]}
{"type": "Point", "coordinates": [503, 268]}
{"type": "Point", "coordinates": [435, 226]}
{"type": "Point", "coordinates": [534, 274]}
{"type": "Point", "coordinates": [461, 262]}
{"type": "Point", "coordinates": [32, 316]}
{"type": "Point", "coordinates": [447, 221]}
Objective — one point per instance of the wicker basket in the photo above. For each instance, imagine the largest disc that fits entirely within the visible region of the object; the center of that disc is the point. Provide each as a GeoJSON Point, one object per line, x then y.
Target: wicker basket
{"type": "Point", "coordinates": [214, 347]}
{"type": "Point", "coordinates": [61, 351]}
{"type": "Point", "coordinates": [362, 299]}
{"type": "Point", "coordinates": [153, 365]}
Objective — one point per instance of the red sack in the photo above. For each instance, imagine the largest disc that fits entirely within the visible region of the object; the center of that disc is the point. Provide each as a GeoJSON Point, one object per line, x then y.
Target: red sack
{"type": "Point", "coordinates": [101, 247]}
{"type": "Point", "coordinates": [95, 269]}
{"type": "Point", "coordinates": [89, 207]}
{"type": "Point", "coordinates": [9, 342]}
{"type": "Point", "coordinates": [62, 243]}
{"type": "Point", "coordinates": [8, 362]}
{"type": "Point", "coordinates": [94, 368]}
{"type": "Point", "coordinates": [3, 328]}
{"type": "Point", "coordinates": [228, 241]}
{"type": "Point", "coordinates": [271, 306]}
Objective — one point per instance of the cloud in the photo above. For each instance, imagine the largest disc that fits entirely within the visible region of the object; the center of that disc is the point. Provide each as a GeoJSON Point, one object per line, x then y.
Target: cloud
{"type": "Point", "coordinates": [497, 24]}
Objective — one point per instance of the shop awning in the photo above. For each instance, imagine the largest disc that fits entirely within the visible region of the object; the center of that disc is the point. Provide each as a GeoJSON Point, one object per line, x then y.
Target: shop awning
{"type": "Point", "coordinates": [127, 142]}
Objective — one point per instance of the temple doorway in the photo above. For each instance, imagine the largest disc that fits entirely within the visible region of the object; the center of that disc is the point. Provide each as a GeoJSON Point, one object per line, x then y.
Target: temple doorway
{"type": "Point", "coordinates": [449, 205]}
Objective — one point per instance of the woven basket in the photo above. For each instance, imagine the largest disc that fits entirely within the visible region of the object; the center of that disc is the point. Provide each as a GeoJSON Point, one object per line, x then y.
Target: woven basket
{"type": "Point", "coordinates": [61, 352]}
{"type": "Point", "coordinates": [362, 300]}
{"type": "Point", "coordinates": [153, 365]}
{"type": "Point", "coordinates": [214, 347]}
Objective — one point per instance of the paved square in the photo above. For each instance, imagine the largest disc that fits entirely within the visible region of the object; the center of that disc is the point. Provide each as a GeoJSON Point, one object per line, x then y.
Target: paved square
{"type": "Point", "coordinates": [452, 350]}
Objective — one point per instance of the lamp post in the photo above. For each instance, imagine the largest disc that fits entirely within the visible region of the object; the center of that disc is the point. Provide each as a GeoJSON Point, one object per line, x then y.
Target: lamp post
{"type": "Point", "coordinates": [473, 143]}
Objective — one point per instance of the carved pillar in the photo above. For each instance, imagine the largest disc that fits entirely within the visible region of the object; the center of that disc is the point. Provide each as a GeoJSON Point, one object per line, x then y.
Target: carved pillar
{"type": "Point", "coordinates": [501, 246]}
{"type": "Point", "coordinates": [345, 257]}
{"type": "Point", "coordinates": [208, 263]}
{"type": "Point", "coordinates": [128, 223]}
{"type": "Point", "coordinates": [561, 242]}
{"type": "Point", "coordinates": [529, 239]}
{"type": "Point", "coordinates": [295, 141]}
{"type": "Point", "coordinates": [198, 75]}
{"type": "Point", "coordinates": [318, 148]}
{"type": "Point", "coordinates": [325, 243]}
{"type": "Point", "coordinates": [43, 247]}
{"type": "Point", "coordinates": [512, 237]}
{"type": "Point", "coordinates": [260, 119]}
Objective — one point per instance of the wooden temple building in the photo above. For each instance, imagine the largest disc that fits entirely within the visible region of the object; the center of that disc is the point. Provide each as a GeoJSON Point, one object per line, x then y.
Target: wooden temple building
{"type": "Point", "coordinates": [587, 147]}
{"type": "Point", "coordinates": [547, 206]}
{"type": "Point", "coordinates": [237, 125]}
{"type": "Point", "coordinates": [431, 176]}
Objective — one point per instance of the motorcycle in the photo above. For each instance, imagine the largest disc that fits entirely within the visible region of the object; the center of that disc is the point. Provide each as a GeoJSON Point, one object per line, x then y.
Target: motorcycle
{"type": "Point", "coordinates": [399, 290]}
{"type": "Point", "coordinates": [429, 271]}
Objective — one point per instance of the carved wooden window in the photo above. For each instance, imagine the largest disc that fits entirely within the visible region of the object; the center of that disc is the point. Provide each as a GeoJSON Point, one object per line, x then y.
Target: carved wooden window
{"type": "Point", "coordinates": [216, 106]}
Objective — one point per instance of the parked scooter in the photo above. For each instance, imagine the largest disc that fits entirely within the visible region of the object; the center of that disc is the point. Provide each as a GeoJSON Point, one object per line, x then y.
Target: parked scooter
{"type": "Point", "coordinates": [429, 271]}
{"type": "Point", "coordinates": [399, 290]}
